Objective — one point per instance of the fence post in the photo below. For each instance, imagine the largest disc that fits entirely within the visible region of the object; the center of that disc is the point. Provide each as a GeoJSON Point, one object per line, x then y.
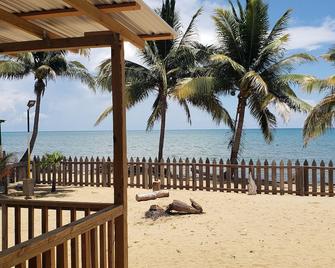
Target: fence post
{"type": "Point", "coordinates": [150, 172]}
{"type": "Point", "coordinates": [330, 179]}
{"type": "Point", "coordinates": [289, 176]}
{"type": "Point", "coordinates": [162, 172]}
{"type": "Point", "coordinates": [322, 178]}
{"type": "Point", "coordinates": [104, 172]}
{"type": "Point", "coordinates": [137, 172]}
{"type": "Point", "coordinates": [81, 171]}
{"type": "Point", "coordinates": [208, 175]}
{"type": "Point", "coordinates": [168, 173]}
{"type": "Point", "coordinates": [194, 175]}
{"type": "Point", "coordinates": [274, 177]}
{"type": "Point", "coordinates": [281, 177]}
{"type": "Point", "coordinates": [221, 175]}
{"type": "Point", "coordinates": [131, 171]}
{"type": "Point", "coordinates": [306, 178]}
{"type": "Point", "coordinates": [228, 173]}
{"type": "Point", "coordinates": [266, 176]}
{"type": "Point", "coordinates": [259, 177]}
{"type": "Point", "coordinates": [214, 176]}
{"type": "Point", "coordinates": [201, 178]}
{"type": "Point", "coordinates": [298, 179]}
{"type": "Point", "coordinates": [187, 173]}
{"type": "Point", "coordinates": [243, 176]}
{"type": "Point", "coordinates": [145, 174]}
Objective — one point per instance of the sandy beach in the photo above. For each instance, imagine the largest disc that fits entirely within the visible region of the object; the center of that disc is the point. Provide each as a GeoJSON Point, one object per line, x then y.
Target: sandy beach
{"type": "Point", "coordinates": [236, 230]}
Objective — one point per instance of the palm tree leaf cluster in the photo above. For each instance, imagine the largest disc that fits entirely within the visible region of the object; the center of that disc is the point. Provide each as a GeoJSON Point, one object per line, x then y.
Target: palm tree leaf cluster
{"type": "Point", "coordinates": [251, 60]}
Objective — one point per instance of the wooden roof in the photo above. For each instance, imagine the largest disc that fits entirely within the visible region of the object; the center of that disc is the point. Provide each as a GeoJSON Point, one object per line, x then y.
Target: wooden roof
{"type": "Point", "coordinates": [30, 25]}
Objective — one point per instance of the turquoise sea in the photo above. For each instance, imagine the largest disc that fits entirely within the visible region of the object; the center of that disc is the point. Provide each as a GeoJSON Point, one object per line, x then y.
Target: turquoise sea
{"type": "Point", "coordinates": [287, 144]}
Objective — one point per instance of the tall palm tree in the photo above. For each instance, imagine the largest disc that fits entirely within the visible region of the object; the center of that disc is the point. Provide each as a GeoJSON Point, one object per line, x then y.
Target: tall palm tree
{"type": "Point", "coordinates": [251, 62]}
{"type": "Point", "coordinates": [164, 63]}
{"type": "Point", "coordinates": [322, 116]}
{"type": "Point", "coordinates": [44, 66]}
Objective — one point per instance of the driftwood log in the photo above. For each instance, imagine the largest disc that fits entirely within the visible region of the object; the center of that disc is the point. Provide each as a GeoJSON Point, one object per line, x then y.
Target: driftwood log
{"type": "Point", "coordinates": [179, 207]}
{"type": "Point", "coordinates": [175, 208]}
{"type": "Point", "coordinates": [151, 195]}
{"type": "Point", "coordinates": [156, 185]}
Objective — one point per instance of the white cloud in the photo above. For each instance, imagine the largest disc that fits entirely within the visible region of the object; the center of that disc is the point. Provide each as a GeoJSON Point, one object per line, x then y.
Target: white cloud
{"type": "Point", "coordinates": [10, 98]}
{"type": "Point", "coordinates": [312, 37]}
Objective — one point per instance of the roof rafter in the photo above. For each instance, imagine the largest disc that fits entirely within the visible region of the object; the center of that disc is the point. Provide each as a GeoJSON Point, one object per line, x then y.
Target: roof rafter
{"type": "Point", "coordinates": [65, 12]}
{"type": "Point", "coordinates": [111, 24]}
{"type": "Point", "coordinates": [102, 40]}
{"type": "Point", "coordinates": [146, 37]}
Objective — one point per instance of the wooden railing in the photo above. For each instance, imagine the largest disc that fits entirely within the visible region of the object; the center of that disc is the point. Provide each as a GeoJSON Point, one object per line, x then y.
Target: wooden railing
{"type": "Point", "coordinates": [57, 234]}
{"type": "Point", "coordinates": [275, 178]}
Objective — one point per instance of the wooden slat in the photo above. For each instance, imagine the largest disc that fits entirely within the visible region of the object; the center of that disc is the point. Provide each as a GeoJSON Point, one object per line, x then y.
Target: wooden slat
{"type": "Point", "coordinates": [274, 177]}
{"type": "Point", "coordinates": [70, 171]}
{"type": "Point", "coordinates": [266, 176]}
{"type": "Point", "coordinates": [48, 258]}
{"type": "Point", "coordinates": [298, 179]}
{"type": "Point", "coordinates": [194, 175]}
{"type": "Point", "coordinates": [201, 174]}
{"type": "Point", "coordinates": [330, 179]}
{"type": "Point", "coordinates": [94, 248]}
{"type": "Point", "coordinates": [222, 175]}
{"type": "Point", "coordinates": [32, 263]}
{"type": "Point", "coordinates": [258, 176]}
{"type": "Point", "coordinates": [145, 174]}
{"type": "Point", "coordinates": [17, 224]}
{"type": "Point", "coordinates": [181, 174]}
{"type": "Point", "coordinates": [104, 172]}
{"type": "Point", "coordinates": [111, 24]}
{"type": "Point", "coordinates": [92, 172]}
{"type": "Point", "coordinates": [86, 172]}
{"type": "Point", "coordinates": [281, 177]}
{"type": "Point", "coordinates": [4, 225]}
{"type": "Point", "coordinates": [86, 260]}
{"type": "Point", "coordinates": [64, 172]}
{"type": "Point", "coordinates": [306, 178]}
{"type": "Point", "coordinates": [214, 176]}
{"type": "Point", "coordinates": [57, 13]}
{"type": "Point", "coordinates": [162, 173]}
{"type": "Point", "coordinates": [208, 175]}
{"type": "Point", "coordinates": [81, 172]}
{"type": "Point", "coordinates": [174, 173]}
{"type": "Point", "coordinates": [322, 179]}
{"type": "Point", "coordinates": [111, 245]}
{"type": "Point", "coordinates": [228, 175]}
{"type": "Point", "coordinates": [168, 173]}
{"type": "Point", "coordinates": [75, 171]}
{"type": "Point", "coordinates": [74, 243]}
{"type": "Point", "coordinates": [138, 172]}
{"type": "Point", "coordinates": [103, 245]}
{"type": "Point", "coordinates": [289, 177]}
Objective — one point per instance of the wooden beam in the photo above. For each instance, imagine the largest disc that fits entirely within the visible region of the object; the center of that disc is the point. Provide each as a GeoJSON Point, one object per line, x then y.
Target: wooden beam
{"type": "Point", "coordinates": [146, 37]}
{"type": "Point", "coordinates": [156, 37]}
{"type": "Point", "coordinates": [65, 12]}
{"type": "Point", "coordinates": [105, 20]}
{"type": "Point", "coordinates": [26, 26]}
{"type": "Point", "coordinates": [57, 44]}
{"type": "Point", "coordinates": [120, 151]}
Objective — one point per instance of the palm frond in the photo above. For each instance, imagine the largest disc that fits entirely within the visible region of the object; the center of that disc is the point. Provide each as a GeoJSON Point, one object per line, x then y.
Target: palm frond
{"type": "Point", "coordinates": [76, 70]}
{"type": "Point", "coordinates": [224, 58]}
{"type": "Point", "coordinates": [104, 115]}
{"type": "Point", "coordinates": [252, 80]}
{"type": "Point", "coordinates": [321, 118]}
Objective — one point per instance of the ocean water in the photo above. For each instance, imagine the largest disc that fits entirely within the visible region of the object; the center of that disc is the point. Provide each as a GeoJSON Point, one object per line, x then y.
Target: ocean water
{"type": "Point", "coordinates": [287, 144]}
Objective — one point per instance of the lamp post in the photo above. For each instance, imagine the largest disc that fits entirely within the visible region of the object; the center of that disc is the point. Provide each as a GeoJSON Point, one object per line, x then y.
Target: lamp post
{"type": "Point", "coordinates": [1, 152]}
{"type": "Point", "coordinates": [30, 104]}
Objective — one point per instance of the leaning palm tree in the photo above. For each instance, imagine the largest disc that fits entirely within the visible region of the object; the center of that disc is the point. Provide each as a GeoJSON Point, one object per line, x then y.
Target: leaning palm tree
{"type": "Point", "coordinates": [322, 116]}
{"type": "Point", "coordinates": [164, 64]}
{"type": "Point", "coordinates": [44, 66]}
{"type": "Point", "coordinates": [251, 62]}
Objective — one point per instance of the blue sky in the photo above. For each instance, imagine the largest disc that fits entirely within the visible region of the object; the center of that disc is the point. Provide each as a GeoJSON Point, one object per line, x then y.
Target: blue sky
{"type": "Point", "coordinates": [68, 105]}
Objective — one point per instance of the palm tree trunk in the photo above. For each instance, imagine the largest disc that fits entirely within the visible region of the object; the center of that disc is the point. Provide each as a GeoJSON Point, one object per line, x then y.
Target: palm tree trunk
{"type": "Point", "coordinates": [35, 128]}
{"type": "Point", "coordinates": [162, 131]}
{"type": "Point", "coordinates": [242, 102]}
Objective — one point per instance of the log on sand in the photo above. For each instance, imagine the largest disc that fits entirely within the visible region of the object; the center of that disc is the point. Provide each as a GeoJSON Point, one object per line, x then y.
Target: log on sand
{"type": "Point", "coordinates": [179, 208]}
{"type": "Point", "coordinates": [151, 195]}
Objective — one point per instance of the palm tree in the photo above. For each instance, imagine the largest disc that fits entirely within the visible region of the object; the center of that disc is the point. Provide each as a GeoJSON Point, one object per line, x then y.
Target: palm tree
{"type": "Point", "coordinates": [250, 62]}
{"type": "Point", "coordinates": [44, 66]}
{"type": "Point", "coordinates": [164, 64]}
{"type": "Point", "coordinates": [322, 116]}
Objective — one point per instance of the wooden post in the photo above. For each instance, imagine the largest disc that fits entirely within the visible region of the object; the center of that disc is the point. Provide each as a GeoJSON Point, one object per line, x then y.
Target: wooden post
{"type": "Point", "coordinates": [120, 151]}
{"type": "Point", "coordinates": [330, 179]}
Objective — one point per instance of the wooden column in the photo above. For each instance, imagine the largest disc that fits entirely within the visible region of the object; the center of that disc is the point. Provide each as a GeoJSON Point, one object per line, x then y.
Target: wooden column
{"type": "Point", "coordinates": [120, 150]}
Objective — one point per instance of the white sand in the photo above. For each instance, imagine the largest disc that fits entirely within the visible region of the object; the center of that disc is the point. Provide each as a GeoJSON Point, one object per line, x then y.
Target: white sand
{"type": "Point", "coordinates": [237, 230]}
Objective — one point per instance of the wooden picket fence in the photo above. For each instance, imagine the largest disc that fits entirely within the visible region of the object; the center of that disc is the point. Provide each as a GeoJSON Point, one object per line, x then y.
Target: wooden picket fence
{"type": "Point", "coordinates": [275, 178]}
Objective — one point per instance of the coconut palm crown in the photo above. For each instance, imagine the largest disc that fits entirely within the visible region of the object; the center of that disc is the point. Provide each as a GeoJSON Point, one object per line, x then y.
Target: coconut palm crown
{"type": "Point", "coordinates": [322, 116]}
{"type": "Point", "coordinates": [164, 64]}
{"type": "Point", "coordinates": [44, 66]}
{"type": "Point", "coordinates": [250, 62]}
